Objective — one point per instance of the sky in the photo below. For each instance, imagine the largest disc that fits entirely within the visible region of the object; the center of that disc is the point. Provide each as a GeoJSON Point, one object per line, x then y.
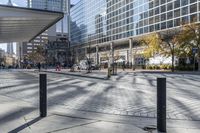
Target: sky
{"type": "Point", "coordinates": [21, 3]}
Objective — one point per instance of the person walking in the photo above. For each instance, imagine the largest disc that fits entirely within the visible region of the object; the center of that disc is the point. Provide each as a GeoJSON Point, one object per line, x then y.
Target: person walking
{"type": "Point", "coordinates": [39, 66]}
{"type": "Point", "coordinates": [123, 65]}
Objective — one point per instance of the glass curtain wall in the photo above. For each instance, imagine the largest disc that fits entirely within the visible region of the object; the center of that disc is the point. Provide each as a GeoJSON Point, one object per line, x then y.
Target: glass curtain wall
{"type": "Point", "coordinates": [100, 21]}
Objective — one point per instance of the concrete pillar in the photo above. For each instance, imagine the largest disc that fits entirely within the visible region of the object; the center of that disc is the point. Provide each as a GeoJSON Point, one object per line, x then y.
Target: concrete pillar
{"type": "Point", "coordinates": [131, 51]}
{"type": "Point", "coordinates": [111, 60]}
{"type": "Point", "coordinates": [97, 55]}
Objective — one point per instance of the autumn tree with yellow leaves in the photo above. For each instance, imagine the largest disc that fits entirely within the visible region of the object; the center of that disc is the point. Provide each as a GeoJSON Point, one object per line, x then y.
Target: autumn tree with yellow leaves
{"type": "Point", "coordinates": [164, 43]}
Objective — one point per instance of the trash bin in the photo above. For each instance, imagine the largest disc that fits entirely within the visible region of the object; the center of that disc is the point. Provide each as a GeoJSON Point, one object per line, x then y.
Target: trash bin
{"type": "Point", "coordinates": [114, 69]}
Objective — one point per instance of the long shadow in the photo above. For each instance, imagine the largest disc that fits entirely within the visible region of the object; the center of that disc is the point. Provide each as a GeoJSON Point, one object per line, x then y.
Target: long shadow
{"type": "Point", "coordinates": [9, 86]}
{"type": "Point", "coordinates": [91, 84]}
{"type": "Point", "coordinates": [10, 116]}
{"type": "Point", "coordinates": [97, 102]}
{"type": "Point", "coordinates": [26, 125]}
{"type": "Point", "coordinates": [63, 87]}
{"type": "Point", "coordinates": [185, 108]}
{"type": "Point", "coordinates": [67, 95]}
{"type": "Point", "coordinates": [119, 77]}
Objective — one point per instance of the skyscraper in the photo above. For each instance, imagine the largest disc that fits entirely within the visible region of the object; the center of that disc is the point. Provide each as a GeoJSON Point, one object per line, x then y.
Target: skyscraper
{"type": "Point", "coordinates": [54, 5]}
{"type": "Point", "coordinates": [9, 3]}
{"type": "Point", "coordinates": [119, 22]}
{"type": "Point", "coordinates": [10, 48]}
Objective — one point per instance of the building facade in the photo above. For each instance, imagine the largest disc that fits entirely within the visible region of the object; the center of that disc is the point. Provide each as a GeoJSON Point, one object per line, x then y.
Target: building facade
{"type": "Point", "coordinates": [10, 48]}
{"type": "Point", "coordinates": [116, 23]}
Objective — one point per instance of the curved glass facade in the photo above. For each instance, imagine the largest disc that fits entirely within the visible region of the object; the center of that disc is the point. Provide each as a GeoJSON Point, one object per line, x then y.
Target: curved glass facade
{"type": "Point", "coordinates": [99, 21]}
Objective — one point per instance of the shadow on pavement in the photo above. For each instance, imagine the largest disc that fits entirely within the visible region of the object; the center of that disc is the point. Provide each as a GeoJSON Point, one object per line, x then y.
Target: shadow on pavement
{"type": "Point", "coordinates": [22, 127]}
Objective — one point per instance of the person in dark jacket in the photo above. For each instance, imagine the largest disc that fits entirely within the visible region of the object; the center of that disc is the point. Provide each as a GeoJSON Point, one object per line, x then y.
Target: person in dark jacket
{"type": "Point", "coordinates": [39, 66]}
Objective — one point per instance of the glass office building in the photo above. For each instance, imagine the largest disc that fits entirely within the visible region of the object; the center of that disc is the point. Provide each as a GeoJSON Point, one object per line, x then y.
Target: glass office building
{"type": "Point", "coordinates": [101, 21]}
{"type": "Point", "coordinates": [53, 5]}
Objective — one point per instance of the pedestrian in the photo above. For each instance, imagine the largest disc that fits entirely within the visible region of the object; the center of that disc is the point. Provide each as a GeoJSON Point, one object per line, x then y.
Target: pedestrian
{"type": "Point", "coordinates": [123, 65]}
{"type": "Point", "coordinates": [39, 66]}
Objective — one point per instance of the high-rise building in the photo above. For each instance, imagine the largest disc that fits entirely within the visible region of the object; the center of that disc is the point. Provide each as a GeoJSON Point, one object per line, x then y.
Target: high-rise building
{"type": "Point", "coordinates": [10, 48]}
{"type": "Point", "coordinates": [53, 5]}
{"type": "Point", "coordinates": [118, 22]}
{"type": "Point", "coordinates": [9, 3]}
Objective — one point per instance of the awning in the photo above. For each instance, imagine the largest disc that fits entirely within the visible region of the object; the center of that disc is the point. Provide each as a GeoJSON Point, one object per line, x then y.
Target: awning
{"type": "Point", "coordinates": [23, 24]}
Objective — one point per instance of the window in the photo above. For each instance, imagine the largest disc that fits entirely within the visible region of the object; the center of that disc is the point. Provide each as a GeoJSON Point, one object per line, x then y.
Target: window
{"type": "Point", "coordinates": [193, 18]}
{"type": "Point", "coordinates": [193, 8]}
{"type": "Point", "coordinates": [169, 6]}
{"type": "Point", "coordinates": [163, 25]}
{"type": "Point", "coordinates": [157, 19]}
{"type": "Point", "coordinates": [184, 2]}
{"type": "Point", "coordinates": [163, 8]}
{"type": "Point", "coordinates": [163, 1]}
{"type": "Point", "coordinates": [192, 1]}
{"type": "Point", "coordinates": [184, 10]}
{"type": "Point", "coordinates": [163, 17]}
{"type": "Point", "coordinates": [177, 4]}
{"type": "Point", "coordinates": [177, 13]}
{"type": "Point", "coordinates": [170, 15]}
{"type": "Point", "coordinates": [185, 20]}
{"type": "Point", "coordinates": [177, 22]}
{"type": "Point", "coordinates": [157, 10]}
{"type": "Point", "coordinates": [170, 24]}
{"type": "Point", "coordinates": [157, 27]}
{"type": "Point", "coordinates": [151, 28]}
{"type": "Point", "coordinates": [156, 3]}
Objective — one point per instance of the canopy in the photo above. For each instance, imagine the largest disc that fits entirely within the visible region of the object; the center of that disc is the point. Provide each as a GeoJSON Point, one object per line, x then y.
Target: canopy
{"type": "Point", "coordinates": [19, 24]}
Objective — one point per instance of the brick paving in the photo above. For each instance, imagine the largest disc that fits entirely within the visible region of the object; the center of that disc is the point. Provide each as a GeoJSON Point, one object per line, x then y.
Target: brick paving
{"type": "Point", "coordinates": [132, 94]}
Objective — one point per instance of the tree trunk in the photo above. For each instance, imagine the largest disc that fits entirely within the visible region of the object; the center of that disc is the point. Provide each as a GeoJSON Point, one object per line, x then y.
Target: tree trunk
{"type": "Point", "coordinates": [172, 62]}
{"type": "Point", "coordinates": [198, 63]}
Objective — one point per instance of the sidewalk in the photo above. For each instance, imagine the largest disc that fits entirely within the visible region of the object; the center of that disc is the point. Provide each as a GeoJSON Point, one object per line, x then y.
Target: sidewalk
{"type": "Point", "coordinates": [18, 116]}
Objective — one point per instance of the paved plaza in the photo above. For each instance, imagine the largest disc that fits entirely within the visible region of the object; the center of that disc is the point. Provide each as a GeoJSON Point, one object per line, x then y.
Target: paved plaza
{"type": "Point", "coordinates": [127, 94]}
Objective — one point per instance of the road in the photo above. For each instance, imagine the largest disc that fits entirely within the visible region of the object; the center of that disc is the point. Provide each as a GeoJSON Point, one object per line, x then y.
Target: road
{"type": "Point", "coordinates": [132, 94]}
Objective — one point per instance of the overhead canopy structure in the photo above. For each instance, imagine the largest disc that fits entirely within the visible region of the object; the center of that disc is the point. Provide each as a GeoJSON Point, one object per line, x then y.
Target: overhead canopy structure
{"type": "Point", "coordinates": [23, 24]}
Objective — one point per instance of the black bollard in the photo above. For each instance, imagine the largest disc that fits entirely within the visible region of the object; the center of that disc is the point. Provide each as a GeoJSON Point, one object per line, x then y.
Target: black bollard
{"type": "Point", "coordinates": [161, 104]}
{"type": "Point", "coordinates": [43, 95]}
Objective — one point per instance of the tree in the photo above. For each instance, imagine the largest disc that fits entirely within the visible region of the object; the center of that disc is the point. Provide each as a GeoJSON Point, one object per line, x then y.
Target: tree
{"type": "Point", "coordinates": [152, 44]}
{"type": "Point", "coordinates": [164, 43]}
{"type": "Point", "coordinates": [37, 56]}
{"type": "Point", "coordinates": [190, 38]}
{"type": "Point", "coordinates": [170, 44]}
